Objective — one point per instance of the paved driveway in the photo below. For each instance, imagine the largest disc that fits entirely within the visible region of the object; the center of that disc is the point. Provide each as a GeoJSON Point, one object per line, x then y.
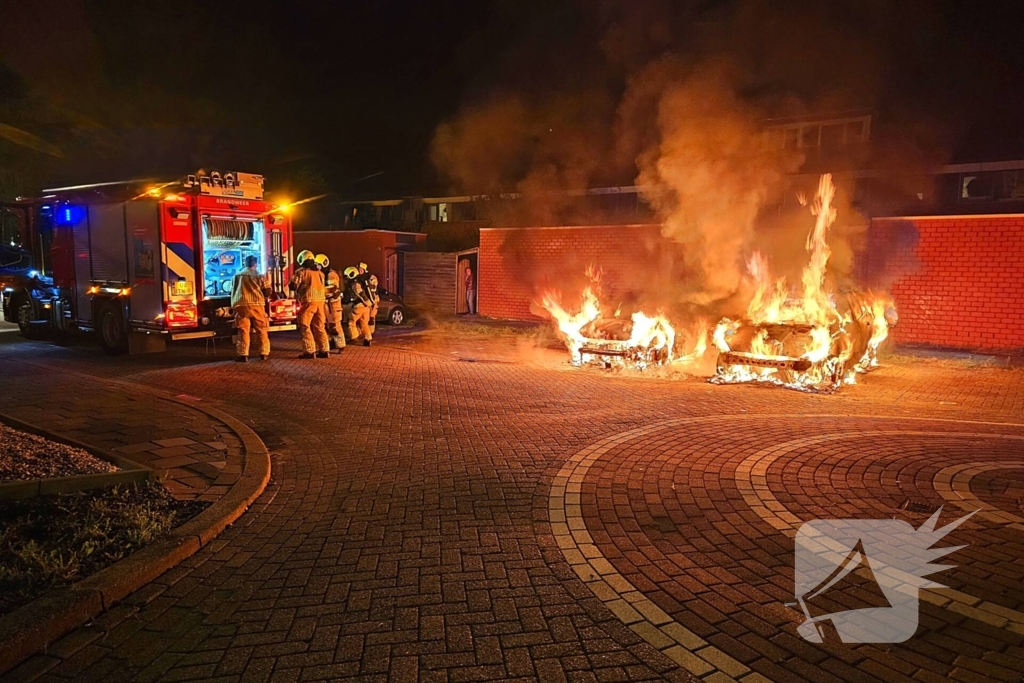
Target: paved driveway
{"type": "Point", "coordinates": [477, 510]}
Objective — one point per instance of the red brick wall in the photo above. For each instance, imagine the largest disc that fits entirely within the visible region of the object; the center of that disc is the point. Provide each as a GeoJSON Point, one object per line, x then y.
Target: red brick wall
{"type": "Point", "coordinates": [350, 247]}
{"type": "Point", "coordinates": [962, 286]}
{"type": "Point", "coordinates": [518, 264]}
{"type": "Point", "coordinates": [958, 282]}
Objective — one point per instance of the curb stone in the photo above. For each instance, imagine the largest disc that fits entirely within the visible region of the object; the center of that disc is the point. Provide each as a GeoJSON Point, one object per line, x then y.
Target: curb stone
{"type": "Point", "coordinates": [33, 627]}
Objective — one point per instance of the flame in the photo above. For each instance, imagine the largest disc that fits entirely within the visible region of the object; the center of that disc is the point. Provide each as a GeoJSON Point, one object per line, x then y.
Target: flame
{"type": "Point", "coordinates": [810, 338]}
{"type": "Point", "coordinates": [806, 338]}
{"type": "Point", "coordinates": [651, 338]}
{"type": "Point", "coordinates": [569, 324]}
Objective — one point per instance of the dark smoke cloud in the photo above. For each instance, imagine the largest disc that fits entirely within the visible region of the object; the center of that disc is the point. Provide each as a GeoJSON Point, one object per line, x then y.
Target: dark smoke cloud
{"type": "Point", "coordinates": [674, 98]}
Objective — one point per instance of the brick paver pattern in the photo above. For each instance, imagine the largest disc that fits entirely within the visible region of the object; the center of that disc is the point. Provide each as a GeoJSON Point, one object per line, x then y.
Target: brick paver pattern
{"type": "Point", "coordinates": [406, 532]}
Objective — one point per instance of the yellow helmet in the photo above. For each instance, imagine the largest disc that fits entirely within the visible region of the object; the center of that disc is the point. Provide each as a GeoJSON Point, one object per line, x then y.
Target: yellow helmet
{"type": "Point", "coordinates": [304, 256]}
{"type": "Point", "coordinates": [322, 260]}
{"type": "Point", "coordinates": [373, 280]}
{"type": "Point", "coordinates": [363, 266]}
{"type": "Point", "coordinates": [351, 272]}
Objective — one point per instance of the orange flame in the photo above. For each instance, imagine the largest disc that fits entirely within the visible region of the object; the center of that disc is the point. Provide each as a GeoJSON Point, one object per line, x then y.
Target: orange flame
{"type": "Point", "coordinates": [802, 341]}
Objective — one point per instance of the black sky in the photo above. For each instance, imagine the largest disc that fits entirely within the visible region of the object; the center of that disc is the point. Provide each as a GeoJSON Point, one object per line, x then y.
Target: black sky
{"type": "Point", "coordinates": [305, 91]}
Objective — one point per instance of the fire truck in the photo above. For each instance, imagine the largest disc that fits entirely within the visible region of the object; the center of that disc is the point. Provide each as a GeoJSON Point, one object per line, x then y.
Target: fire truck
{"type": "Point", "coordinates": [141, 263]}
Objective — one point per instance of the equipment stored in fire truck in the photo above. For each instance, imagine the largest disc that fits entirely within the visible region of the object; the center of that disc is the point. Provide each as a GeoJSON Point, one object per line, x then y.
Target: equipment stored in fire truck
{"type": "Point", "coordinates": [140, 263]}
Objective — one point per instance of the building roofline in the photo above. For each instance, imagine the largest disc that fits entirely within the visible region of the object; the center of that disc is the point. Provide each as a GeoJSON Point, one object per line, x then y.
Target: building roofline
{"type": "Point", "coordinates": [364, 230]}
{"type": "Point", "coordinates": [973, 167]}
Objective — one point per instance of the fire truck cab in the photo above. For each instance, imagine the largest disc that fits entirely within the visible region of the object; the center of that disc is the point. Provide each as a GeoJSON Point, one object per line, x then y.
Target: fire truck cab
{"type": "Point", "coordinates": [141, 265]}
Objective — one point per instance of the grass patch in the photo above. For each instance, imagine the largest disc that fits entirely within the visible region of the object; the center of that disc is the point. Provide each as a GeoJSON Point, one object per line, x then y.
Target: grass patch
{"type": "Point", "coordinates": [52, 541]}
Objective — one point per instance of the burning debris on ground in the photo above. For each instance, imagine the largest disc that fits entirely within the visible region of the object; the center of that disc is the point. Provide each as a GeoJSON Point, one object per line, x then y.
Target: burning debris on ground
{"type": "Point", "coordinates": [807, 337]}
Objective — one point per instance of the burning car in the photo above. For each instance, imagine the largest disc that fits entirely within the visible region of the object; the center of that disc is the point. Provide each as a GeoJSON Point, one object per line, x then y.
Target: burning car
{"type": "Point", "coordinates": [639, 342]}
{"type": "Point", "coordinates": [593, 338]}
{"type": "Point", "coordinates": [803, 337]}
{"type": "Point", "coordinates": [815, 340]}
{"type": "Point", "coordinates": [797, 354]}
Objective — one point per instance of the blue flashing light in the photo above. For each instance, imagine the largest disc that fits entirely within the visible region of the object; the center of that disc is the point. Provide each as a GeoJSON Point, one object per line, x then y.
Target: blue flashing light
{"type": "Point", "coordinates": [69, 215]}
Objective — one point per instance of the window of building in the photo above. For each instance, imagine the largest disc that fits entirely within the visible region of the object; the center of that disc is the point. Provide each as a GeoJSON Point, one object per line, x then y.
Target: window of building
{"type": "Point", "coordinates": [976, 186]}
{"type": "Point", "coordinates": [1012, 185]}
{"type": "Point", "coordinates": [792, 138]}
{"type": "Point", "coordinates": [833, 136]}
{"type": "Point", "coordinates": [827, 134]}
{"type": "Point", "coordinates": [856, 131]}
{"type": "Point", "coordinates": [992, 185]}
{"type": "Point", "coordinates": [464, 211]}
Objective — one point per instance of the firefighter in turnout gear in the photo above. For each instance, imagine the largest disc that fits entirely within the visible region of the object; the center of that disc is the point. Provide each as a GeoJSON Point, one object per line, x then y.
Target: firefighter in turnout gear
{"type": "Point", "coordinates": [357, 307]}
{"type": "Point", "coordinates": [310, 291]}
{"type": "Point", "coordinates": [334, 317]}
{"type": "Point", "coordinates": [249, 293]}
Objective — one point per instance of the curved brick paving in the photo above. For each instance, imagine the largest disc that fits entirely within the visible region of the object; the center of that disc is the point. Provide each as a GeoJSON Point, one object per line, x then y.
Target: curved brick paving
{"type": "Point", "coordinates": [407, 530]}
{"type": "Point", "coordinates": [700, 577]}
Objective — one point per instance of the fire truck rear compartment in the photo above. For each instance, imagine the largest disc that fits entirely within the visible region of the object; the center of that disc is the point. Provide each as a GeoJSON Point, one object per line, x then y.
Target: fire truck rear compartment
{"type": "Point", "coordinates": [226, 245]}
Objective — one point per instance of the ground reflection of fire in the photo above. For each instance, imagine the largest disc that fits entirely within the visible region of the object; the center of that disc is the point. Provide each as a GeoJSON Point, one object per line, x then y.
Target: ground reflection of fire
{"type": "Point", "coordinates": [810, 338]}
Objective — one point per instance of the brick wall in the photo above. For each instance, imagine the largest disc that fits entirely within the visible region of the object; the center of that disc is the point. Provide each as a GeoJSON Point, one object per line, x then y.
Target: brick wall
{"type": "Point", "coordinates": [962, 285]}
{"type": "Point", "coordinates": [429, 281]}
{"type": "Point", "coordinates": [517, 264]}
{"type": "Point", "coordinates": [958, 281]}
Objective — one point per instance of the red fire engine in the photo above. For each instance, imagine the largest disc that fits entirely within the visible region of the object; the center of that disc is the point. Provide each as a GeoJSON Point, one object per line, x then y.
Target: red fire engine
{"type": "Point", "coordinates": [142, 264]}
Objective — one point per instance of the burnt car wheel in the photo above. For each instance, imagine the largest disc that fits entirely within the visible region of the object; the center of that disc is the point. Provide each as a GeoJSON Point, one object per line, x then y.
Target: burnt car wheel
{"type": "Point", "coordinates": [396, 316]}
{"type": "Point", "coordinates": [113, 333]}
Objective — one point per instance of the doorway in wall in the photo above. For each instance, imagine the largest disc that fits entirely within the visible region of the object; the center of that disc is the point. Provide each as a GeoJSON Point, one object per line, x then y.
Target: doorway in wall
{"type": "Point", "coordinates": [464, 260]}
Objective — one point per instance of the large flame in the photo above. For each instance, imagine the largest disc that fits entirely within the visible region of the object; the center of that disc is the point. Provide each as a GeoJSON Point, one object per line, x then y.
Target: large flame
{"type": "Point", "coordinates": [804, 339]}
{"type": "Point", "coordinates": [809, 338]}
{"type": "Point", "coordinates": [591, 336]}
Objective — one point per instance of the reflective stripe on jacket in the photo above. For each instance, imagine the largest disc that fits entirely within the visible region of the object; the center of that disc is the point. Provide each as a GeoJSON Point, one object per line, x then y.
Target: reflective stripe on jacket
{"type": "Point", "coordinates": [308, 285]}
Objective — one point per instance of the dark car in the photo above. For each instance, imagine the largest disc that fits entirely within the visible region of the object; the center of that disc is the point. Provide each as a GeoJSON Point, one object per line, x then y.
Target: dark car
{"type": "Point", "coordinates": [391, 308]}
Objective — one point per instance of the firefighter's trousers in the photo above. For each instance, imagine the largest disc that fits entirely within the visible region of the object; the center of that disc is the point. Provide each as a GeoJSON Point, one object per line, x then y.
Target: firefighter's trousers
{"type": "Point", "coordinates": [359, 322]}
{"type": "Point", "coordinates": [252, 318]}
{"type": "Point", "coordinates": [311, 321]}
{"type": "Point", "coordinates": [335, 325]}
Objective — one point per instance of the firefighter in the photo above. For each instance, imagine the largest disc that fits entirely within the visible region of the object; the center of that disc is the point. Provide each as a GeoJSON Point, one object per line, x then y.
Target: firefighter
{"type": "Point", "coordinates": [249, 293]}
{"type": "Point", "coordinates": [309, 287]}
{"type": "Point", "coordinates": [364, 277]}
{"type": "Point", "coordinates": [357, 307]}
{"type": "Point", "coordinates": [375, 301]}
{"type": "Point", "coordinates": [334, 323]}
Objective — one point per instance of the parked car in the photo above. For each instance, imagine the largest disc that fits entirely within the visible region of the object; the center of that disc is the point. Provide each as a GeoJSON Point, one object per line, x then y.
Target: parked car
{"type": "Point", "coordinates": [391, 309]}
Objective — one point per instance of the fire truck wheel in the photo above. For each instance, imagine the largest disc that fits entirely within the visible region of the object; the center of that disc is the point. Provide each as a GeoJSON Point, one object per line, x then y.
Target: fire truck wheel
{"type": "Point", "coordinates": [23, 310]}
{"type": "Point", "coordinates": [113, 333]}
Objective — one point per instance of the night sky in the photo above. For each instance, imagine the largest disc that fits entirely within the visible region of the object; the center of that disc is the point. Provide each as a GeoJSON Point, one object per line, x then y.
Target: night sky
{"type": "Point", "coordinates": [317, 95]}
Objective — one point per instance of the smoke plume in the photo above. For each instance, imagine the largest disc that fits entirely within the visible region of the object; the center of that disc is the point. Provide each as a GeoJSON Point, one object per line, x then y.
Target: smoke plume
{"type": "Point", "coordinates": [675, 100]}
{"type": "Point", "coordinates": [709, 173]}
